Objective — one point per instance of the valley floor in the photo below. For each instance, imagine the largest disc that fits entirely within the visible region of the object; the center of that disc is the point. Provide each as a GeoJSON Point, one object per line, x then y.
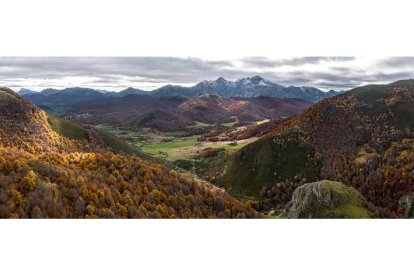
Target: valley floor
{"type": "Point", "coordinates": [171, 146]}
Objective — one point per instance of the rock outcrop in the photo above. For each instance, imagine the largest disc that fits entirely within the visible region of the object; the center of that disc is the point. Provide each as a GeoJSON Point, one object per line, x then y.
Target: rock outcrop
{"type": "Point", "coordinates": [406, 203]}
{"type": "Point", "coordinates": [326, 199]}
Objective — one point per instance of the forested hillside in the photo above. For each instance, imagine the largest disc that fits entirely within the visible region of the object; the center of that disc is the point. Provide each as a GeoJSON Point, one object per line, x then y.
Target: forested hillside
{"type": "Point", "coordinates": [363, 138]}
{"type": "Point", "coordinates": [44, 174]}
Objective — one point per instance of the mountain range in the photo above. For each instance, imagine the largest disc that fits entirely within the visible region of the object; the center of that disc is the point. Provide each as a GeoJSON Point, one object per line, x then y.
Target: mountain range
{"type": "Point", "coordinates": [246, 88]}
{"type": "Point", "coordinates": [242, 88]}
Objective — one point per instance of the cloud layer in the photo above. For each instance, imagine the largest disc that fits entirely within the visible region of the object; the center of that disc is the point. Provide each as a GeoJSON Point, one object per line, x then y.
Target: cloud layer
{"type": "Point", "coordinates": [117, 73]}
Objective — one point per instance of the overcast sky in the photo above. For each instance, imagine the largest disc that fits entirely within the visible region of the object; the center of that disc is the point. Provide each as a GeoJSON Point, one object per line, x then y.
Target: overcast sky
{"type": "Point", "coordinates": [118, 73]}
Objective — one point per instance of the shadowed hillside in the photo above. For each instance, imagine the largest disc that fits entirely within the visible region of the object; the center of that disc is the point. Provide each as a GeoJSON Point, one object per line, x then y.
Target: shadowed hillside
{"type": "Point", "coordinates": [92, 136]}
{"type": "Point", "coordinates": [178, 113]}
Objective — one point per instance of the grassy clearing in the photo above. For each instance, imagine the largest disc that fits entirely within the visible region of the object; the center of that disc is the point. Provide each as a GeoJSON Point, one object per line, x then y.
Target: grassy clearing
{"type": "Point", "coordinates": [115, 143]}
{"type": "Point", "coordinates": [229, 124]}
{"type": "Point", "coordinates": [188, 148]}
{"type": "Point", "coordinates": [66, 128]}
{"type": "Point", "coordinates": [262, 122]}
{"type": "Point", "coordinates": [170, 146]}
{"type": "Point", "coordinates": [168, 149]}
{"type": "Point", "coordinates": [349, 211]}
{"type": "Point", "coordinates": [198, 125]}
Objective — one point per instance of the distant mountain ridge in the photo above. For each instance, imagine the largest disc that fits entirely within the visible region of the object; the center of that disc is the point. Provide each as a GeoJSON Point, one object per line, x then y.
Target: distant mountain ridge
{"type": "Point", "coordinates": [242, 88]}
{"type": "Point", "coordinates": [246, 88]}
{"type": "Point", "coordinates": [172, 113]}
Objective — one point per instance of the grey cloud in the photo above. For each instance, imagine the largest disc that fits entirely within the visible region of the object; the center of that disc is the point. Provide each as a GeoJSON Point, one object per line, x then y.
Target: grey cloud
{"type": "Point", "coordinates": [269, 62]}
{"type": "Point", "coordinates": [396, 62]}
{"type": "Point", "coordinates": [120, 72]}
{"type": "Point", "coordinates": [145, 68]}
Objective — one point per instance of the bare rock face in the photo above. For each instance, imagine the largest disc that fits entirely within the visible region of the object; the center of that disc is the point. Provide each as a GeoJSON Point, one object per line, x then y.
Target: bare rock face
{"type": "Point", "coordinates": [406, 203]}
{"type": "Point", "coordinates": [326, 199]}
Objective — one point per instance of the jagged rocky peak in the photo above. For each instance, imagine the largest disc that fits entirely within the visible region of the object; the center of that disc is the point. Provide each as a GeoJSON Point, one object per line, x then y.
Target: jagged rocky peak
{"type": "Point", "coordinates": [256, 79]}
{"type": "Point", "coordinates": [25, 91]}
{"type": "Point", "coordinates": [221, 80]}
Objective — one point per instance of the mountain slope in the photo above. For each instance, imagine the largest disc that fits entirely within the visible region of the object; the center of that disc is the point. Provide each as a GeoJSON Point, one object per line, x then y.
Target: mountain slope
{"type": "Point", "coordinates": [46, 175]}
{"type": "Point", "coordinates": [267, 161]}
{"type": "Point", "coordinates": [22, 124]}
{"type": "Point", "coordinates": [134, 111]}
{"type": "Point", "coordinates": [176, 113]}
{"type": "Point", "coordinates": [91, 135]}
{"type": "Point", "coordinates": [363, 138]}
